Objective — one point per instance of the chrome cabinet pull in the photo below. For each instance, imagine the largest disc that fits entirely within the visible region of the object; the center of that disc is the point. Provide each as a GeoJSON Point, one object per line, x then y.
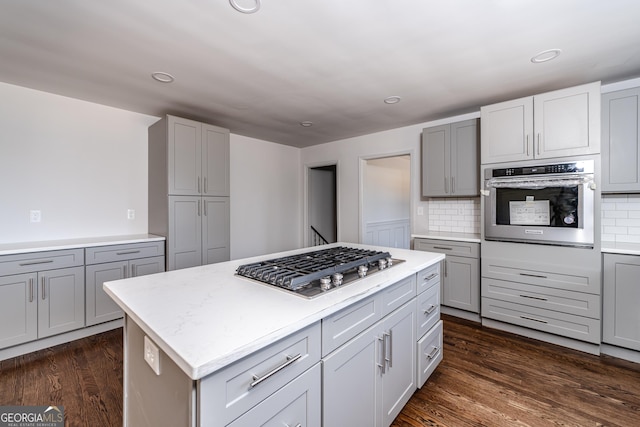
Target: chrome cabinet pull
{"type": "Point", "coordinates": [204, 205]}
{"type": "Point", "coordinates": [31, 290]}
{"type": "Point", "coordinates": [205, 185]}
{"type": "Point", "coordinates": [539, 276]}
{"type": "Point", "coordinates": [199, 185]}
{"type": "Point", "coordinates": [444, 248]}
{"type": "Point", "coordinates": [43, 285]}
{"type": "Point", "coordinates": [533, 319]}
{"type": "Point", "coordinates": [527, 144]}
{"type": "Point", "coordinates": [384, 353]}
{"type": "Point", "coordinates": [453, 185]}
{"type": "Point", "coordinates": [532, 297]}
{"type": "Point", "coordinates": [199, 208]}
{"type": "Point", "coordinates": [390, 359]}
{"type": "Point", "coordinates": [431, 276]}
{"type": "Point", "coordinates": [433, 353]}
{"type": "Point", "coordinates": [429, 310]}
{"type": "Point", "coordinates": [290, 360]}
{"type": "Point", "coordinates": [444, 263]}
{"type": "Point", "coordinates": [538, 148]}
{"type": "Point", "coordinates": [128, 252]}
{"type": "Point", "coordinates": [446, 188]}
{"type": "Point", "coordinates": [36, 262]}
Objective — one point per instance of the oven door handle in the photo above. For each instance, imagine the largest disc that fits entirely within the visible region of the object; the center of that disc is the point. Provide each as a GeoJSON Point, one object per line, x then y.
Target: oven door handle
{"type": "Point", "coordinates": [542, 181]}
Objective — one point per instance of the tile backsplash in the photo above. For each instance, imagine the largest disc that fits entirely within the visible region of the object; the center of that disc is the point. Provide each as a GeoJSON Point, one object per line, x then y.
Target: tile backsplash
{"type": "Point", "coordinates": [461, 215]}
{"type": "Point", "coordinates": [621, 218]}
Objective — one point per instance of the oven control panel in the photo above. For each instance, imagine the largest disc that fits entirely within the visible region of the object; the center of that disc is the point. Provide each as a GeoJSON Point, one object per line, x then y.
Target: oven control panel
{"type": "Point", "coordinates": [556, 168]}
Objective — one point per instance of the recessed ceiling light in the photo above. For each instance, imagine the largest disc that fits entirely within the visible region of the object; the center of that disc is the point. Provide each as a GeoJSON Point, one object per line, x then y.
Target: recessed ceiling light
{"type": "Point", "coordinates": [546, 55]}
{"type": "Point", "coordinates": [236, 6]}
{"type": "Point", "coordinates": [162, 77]}
{"type": "Point", "coordinates": [392, 100]}
{"type": "Point", "coordinates": [306, 124]}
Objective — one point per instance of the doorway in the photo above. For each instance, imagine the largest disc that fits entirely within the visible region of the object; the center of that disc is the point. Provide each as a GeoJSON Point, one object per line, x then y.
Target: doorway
{"type": "Point", "coordinates": [322, 207]}
{"type": "Point", "coordinates": [386, 201]}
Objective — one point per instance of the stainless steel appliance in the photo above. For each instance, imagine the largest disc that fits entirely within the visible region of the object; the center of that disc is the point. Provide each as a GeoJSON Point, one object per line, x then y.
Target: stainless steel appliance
{"type": "Point", "coordinates": [311, 274]}
{"type": "Point", "coordinates": [547, 204]}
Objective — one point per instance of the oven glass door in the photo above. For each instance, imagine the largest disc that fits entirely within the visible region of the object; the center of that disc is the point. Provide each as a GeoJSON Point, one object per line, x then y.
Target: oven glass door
{"type": "Point", "coordinates": [545, 207]}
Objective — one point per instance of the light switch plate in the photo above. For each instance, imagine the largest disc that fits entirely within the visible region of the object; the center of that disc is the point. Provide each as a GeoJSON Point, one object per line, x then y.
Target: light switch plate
{"type": "Point", "coordinates": [152, 355]}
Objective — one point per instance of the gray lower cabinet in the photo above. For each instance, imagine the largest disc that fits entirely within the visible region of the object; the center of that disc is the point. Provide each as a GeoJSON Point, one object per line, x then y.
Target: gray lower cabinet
{"type": "Point", "coordinates": [460, 272]}
{"type": "Point", "coordinates": [107, 263]}
{"type": "Point", "coordinates": [198, 231]}
{"type": "Point", "coordinates": [368, 381]}
{"type": "Point", "coordinates": [621, 141]}
{"type": "Point", "coordinates": [621, 299]}
{"type": "Point", "coordinates": [450, 164]}
{"type": "Point", "coordinates": [41, 294]}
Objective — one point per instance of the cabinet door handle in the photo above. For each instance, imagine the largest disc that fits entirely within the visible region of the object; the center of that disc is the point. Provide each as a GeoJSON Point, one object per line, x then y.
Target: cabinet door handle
{"type": "Point", "coordinates": [384, 353]}
{"type": "Point", "coordinates": [199, 208]}
{"type": "Point", "coordinates": [433, 353]}
{"type": "Point", "coordinates": [532, 297]}
{"type": "Point", "coordinates": [204, 208]}
{"type": "Point", "coordinates": [527, 144]}
{"type": "Point", "coordinates": [453, 185]}
{"type": "Point", "coordinates": [539, 276]}
{"type": "Point", "coordinates": [205, 185]}
{"type": "Point", "coordinates": [290, 360]}
{"type": "Point", "coordinates": [388, 348]}
{"type": "Point", "coordinates": [128, 252]}
{"type": "Point", "coordinates": [48, 261]}
{"type": "Point", "coordinates": [538, 145]}
{"type": "Point", "coordinates": [429, 310]}
{"type": "Point", "coordinates": [199, 186]}
{"type": "Point", "coordinates": [31, 290]}
{"type": "Point", "coordinates": [446, 182]}
{"type": "Point", "coordinates": [444, 263]}
{"type": "Point", "coordinates": [133, 270]}
{"type": "Point", "coordinates": [43, 281]}
{"type": "Point", "coordinates": [533, 319]}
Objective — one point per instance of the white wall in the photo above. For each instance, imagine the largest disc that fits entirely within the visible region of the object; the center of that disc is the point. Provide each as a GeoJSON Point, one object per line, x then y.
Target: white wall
{"type": "Point", "coordinates": [386, 189]}
{"type": "Point", "coordinates": [81, 164]}
{"type": "Point", "coordinates": [265, 197]}
{"type": "Point", "coordinates": [348, 153]}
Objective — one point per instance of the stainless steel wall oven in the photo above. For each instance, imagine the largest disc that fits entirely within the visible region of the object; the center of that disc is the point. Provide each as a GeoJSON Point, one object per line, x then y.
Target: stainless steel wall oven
{"type": "Point", "coordinates": [547, 204]}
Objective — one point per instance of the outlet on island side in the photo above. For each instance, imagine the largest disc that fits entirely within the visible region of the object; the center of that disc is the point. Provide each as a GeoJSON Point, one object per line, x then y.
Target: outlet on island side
{"type": "Point", "coordinates": [152, 355]}
{"type": "Point", "coordinates": [131, 214]}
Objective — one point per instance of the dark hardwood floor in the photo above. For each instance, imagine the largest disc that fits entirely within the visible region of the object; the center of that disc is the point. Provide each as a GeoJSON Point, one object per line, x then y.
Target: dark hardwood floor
{"type": "Point", "coordinates": [487, 378]}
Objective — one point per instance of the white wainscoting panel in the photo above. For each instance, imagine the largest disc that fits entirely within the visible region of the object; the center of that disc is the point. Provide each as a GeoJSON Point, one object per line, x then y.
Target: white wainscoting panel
{"type": "Point", "coordinates": [393, 234]}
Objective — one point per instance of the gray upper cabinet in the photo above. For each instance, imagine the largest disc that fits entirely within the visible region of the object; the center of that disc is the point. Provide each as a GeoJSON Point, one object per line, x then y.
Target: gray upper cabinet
{"type": "Point", "coordinates": [621, 141]}
{"type": "Point", "coordinates": [189, 191]}
{"type": "Point", "coordinates": [553, 124]}
{"type": "Point", "coordinates": [450, 166]}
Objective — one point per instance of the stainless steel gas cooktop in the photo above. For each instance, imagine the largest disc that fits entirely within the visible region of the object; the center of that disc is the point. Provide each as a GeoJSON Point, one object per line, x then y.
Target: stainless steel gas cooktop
{"type": "Point", "coordinates": [314, 273]}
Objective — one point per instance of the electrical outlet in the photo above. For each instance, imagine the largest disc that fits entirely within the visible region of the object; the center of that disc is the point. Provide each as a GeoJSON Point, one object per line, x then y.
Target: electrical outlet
{"type": "Point", "coordinates": [131, 214]}
{"type": "Point", "coordinates": [152, 355]}
{"type": "Point", "coordinates": [420, 210]}
{"type": "Point", "coordinates": [35, 216]}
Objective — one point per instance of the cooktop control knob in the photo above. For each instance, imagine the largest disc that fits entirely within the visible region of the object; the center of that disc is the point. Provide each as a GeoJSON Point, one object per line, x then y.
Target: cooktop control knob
{"type": "Point", "coordinates": [382, 264]}
{"type": "Point", "coordinates": [337, 279]}
{"type": "Point", "coordinates": [362, 271]}
{"type": "Point", "coordinates": [325, 283]}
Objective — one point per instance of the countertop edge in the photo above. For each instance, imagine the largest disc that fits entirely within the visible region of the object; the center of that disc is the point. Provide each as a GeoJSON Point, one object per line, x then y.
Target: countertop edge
{"type": "Point", "coordinates": [621, 248]}
{"type": "Point", "coordinates": [85, 242]}
{"type": "Point", "coordinates": [455, 237]}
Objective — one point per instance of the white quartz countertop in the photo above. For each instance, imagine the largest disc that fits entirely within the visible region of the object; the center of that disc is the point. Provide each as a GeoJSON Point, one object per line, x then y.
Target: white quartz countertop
{"type": "Point", "coordinates": [205, 317]}
{"type": "Point", "coordinates": [444, 235]}
{"type": "Point", "coordinates": [54, 245]}
{"type": "Point", "coordinates": [622, 248]}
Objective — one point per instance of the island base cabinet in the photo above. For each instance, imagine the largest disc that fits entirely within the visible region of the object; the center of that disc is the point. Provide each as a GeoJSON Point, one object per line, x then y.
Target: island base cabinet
{"type": "Point", "coordinates": [296, 404]}
{"type": "Point", "coordinates": [368, 381]}
{"type": "Point", "coordinates": [429, 353]}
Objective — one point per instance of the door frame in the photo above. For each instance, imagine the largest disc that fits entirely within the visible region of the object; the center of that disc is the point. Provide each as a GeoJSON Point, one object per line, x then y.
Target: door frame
{"type": "Point", "coordinates": [306, 193]}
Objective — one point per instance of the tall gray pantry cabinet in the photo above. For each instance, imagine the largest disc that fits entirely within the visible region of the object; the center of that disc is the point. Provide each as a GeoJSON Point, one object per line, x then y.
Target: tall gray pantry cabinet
{"type": "Point", "coordinates": [189, 190]}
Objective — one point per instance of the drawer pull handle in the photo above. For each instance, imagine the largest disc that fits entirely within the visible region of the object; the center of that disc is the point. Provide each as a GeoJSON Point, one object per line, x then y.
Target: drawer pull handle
{"type": "Point", "coordinates": [43, 283]}
{"type": "Point", "coordinates": [23, 264]}
{"type": "Point", "coordinates": [443, 248]}
{"type": "Point", "coordinates": [290, 360]}
{"type": "Point", "coordinates": [433, 353]}
{"type": "Point", "coordinates": [429, 310]}
{"type": "Point", "coordinates": [431, 276]}
{"type": "Point", "coordinates": [539, 276]}
{"type": "Point", "coordinates": [532, 297]}
{"type": "Point", "coordinates": [128, 252]}
{"type": "Point", "coordinates": [389, 348]}
{"type": "Point", "coordinates": [535, 320]}
{"type": "Point", "coordinates": [383, 347]}
{"type": "Point", "coordinates": [30, 290]}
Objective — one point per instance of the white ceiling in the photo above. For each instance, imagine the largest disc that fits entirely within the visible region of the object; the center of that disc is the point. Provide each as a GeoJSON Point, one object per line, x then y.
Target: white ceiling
{"type": "Point", "coordinates": [331, 62]}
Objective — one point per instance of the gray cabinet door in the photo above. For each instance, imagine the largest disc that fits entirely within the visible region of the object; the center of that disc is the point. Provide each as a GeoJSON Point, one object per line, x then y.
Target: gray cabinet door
{"type": "Point", "coordinates": [399, 379]}
{"type": "Point", "coordinates": [215, 230]}
{"type": "Point", "coordinates": [435, 161]}
{"type": "Point", "coordinates": [507, 130]}
{"type": "Point", "coordinates": [145, 266]}
{"type": "Point", "coordinates": [461, 284]}
{"type": "Point", "coordinates": [18, 309]}
{"type": "Point", "coordinates": [621, 141]}
{"type": "Point", "coordinates": [184, 156]}
{"type": "Point", "coordinates": [61, 301]}
{"type": "Point", "coordinates": [465, 170]}
{"type": "Point", "coordinates": [350, 383]}
{"type": "Point", "coordinates": [215, 154]}
{"type": "Point", "coordinates": [184, 244]}
{"type": "Point", "coordinates": [620, 314]}
{"type": "Point", "coordinates": [100, 307]}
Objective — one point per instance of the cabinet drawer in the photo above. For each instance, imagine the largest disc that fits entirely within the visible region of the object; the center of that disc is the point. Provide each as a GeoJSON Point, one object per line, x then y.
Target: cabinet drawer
{"type": "Point", "coordinates": [296, 404]}
{"type": "Point", "coordinates": [429, 353]}
{"type": "Point", "coordinates": [111, 253]}
{"type": "Point", "coordinates": [428, 309]}
{"type": "Point", "coordinates": [569, 302]}
{"type": "Point", "coordinates": [552, 276]}
{"type": "Point", "coordinates": [428, 277]}
{"type": "Point", "coordinates": [396, 295]}
{"type": "Point", "coordinates": [40, 261]}
{"type": "Point", "coordinates": [577, 327]}
{"type": "Point", "coordinates": [449, 247]}
{"type": "Point", "coordinates": [231, 392]}
{"type": "Point", "coordinates": [340, 327]}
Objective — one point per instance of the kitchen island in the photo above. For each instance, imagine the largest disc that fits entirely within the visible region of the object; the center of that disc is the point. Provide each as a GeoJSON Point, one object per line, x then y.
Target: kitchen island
{"type": "Point", "coordinates": [204, 329]}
